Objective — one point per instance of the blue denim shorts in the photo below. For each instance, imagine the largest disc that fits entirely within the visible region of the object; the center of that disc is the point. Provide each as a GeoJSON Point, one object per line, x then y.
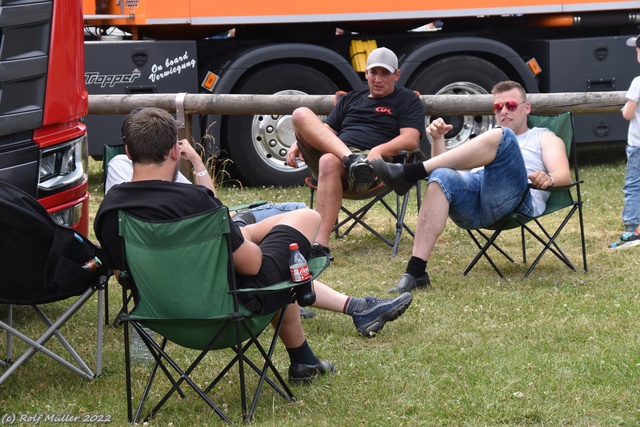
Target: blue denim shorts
{"type": "Point", "coordinates": [479, 199]}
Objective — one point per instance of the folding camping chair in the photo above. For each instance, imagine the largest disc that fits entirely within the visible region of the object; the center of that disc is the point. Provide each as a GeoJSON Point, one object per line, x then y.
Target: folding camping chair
{"type": "Point", "coordinates": [195, 308]}
{"type": "Point", "coordinates": [375, 195]}
{"type": "Point", "coordinates": [41, 262]}
{"type": "Point", "coordinates": [561, 197]}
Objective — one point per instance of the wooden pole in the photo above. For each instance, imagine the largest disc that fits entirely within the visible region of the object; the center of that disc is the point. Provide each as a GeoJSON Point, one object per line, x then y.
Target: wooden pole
{"type": "Point", "coordinates": [436, 105]}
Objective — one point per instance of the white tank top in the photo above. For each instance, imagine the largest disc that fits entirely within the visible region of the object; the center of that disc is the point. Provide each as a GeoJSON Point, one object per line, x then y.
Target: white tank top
{"type": "Point", "coordinates": [532, 155]}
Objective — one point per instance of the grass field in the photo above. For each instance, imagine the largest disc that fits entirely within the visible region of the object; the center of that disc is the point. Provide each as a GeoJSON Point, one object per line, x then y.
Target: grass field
{"type": "Point", "coordinates": [560, 348]}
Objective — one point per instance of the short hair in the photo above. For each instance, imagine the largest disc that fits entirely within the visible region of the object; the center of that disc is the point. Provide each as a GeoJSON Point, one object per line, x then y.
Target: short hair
{"type": "Point", "coordinates": [508, 85]}
{"type": "Point", "coordinates": [149, 134]}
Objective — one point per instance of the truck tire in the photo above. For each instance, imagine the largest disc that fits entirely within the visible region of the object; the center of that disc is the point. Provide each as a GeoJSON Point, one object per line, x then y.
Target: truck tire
{"type": "Point", "coordinates": [463, 75]}
{"type": "Point", "coordinates": [258, 145]}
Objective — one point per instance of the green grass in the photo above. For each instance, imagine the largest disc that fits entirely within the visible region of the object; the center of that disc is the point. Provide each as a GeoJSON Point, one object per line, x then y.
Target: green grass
{"type": "Point", "coordinates": [557, 349]}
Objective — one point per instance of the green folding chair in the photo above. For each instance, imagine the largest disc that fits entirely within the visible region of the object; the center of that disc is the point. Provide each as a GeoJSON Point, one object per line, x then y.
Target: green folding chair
{"type": "Point", "coordinates": [196, 308]}
{"type": "Point", "coordinates": [109, 151]}
{"type": "Point", "coordinates": [561, 198]}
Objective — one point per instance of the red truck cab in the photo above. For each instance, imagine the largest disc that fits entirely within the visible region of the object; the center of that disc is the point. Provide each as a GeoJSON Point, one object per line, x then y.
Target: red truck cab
{"type": "Point", "coordinates": [43, 143]}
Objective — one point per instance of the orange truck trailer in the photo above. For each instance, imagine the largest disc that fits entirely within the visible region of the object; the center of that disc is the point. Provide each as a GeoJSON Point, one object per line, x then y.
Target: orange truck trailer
{"type": "Point", "coordinates": [282, 47]}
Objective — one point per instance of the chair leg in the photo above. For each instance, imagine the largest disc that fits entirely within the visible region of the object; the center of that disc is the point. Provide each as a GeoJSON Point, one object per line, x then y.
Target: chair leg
{"type": "Point", "coordinates": [160, 356]}
{"type": "Point", "coordinates": [163, 361]}
{"type": "Point", "coordinates": [9, 359]}
{"type": "Point", "coordinates": [401, 208]}
{"type": "Point", "coordinates": [268, 364]}
{"type": "Point", "coordinates": [550, 244]}
{"type": "Point", "coordinates": [355, 218]}
{"type": "Point", "coordinates": [582, 239]}
{"type": "Point", "coordinates": [79, 368]}
{"type": "Point", "coordinates": [122, 312]}
{"type": "Point", "coordinates": [483, 251]}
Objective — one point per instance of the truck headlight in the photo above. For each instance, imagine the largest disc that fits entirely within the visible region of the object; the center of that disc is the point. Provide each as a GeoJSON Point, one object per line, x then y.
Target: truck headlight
{"type": "Point", "coordinates": [69, 216]}
{"type": "Point", "coordinates": [63, 166]}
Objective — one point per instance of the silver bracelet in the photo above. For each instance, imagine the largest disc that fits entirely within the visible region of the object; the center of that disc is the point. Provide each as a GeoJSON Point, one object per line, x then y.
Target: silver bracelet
{"type": "Point", "coordinates": [552, 181]}
{"type": "Point", "coordinates": [201, 173]}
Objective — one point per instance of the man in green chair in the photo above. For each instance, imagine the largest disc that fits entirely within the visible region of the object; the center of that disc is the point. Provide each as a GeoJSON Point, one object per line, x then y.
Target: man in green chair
{"type": "Point", "coordinates": [481, 181]}
{"type": "Point", "coordinates": [260, 250]}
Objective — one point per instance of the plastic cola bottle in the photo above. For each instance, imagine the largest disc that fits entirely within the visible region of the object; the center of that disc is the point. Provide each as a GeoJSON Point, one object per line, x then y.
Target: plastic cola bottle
{"type": "Point", "coordinates": [305, 295]}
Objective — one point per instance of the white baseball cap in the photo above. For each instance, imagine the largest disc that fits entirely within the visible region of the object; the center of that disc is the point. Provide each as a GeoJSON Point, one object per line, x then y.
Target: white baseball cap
{"type": "Point", "coordinates": [382, 57]}
{"type": "Point", "coordinates": [633, 42]}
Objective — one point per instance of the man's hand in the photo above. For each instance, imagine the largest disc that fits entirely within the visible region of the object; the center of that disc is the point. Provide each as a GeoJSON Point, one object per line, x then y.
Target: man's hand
{"type": "Point", "coordinates": [374, 153]}
{"type": "Point", "coordinates": [540, 180]}
{"type": "Point", "coordinates": [187, 152]}
{"type": "Point", "coordinates": [438, 128]}
{"type": "Point", "coordinates": [293, 154]}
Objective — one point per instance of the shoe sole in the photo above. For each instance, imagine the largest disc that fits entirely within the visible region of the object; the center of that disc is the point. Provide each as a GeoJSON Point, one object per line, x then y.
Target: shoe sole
{"type": "Point", "coordinates": [421, 284]}
{"type": "Point", "coordinates": [627, 245]}
{"type": "Point", "coordinates": [309, 379]}
{"type": "Point", "coordinates": [376, 326]}
{"type": "Point", "coordinates": [362, 174]}
{"type": "Point", "coordinates": [417, 288]}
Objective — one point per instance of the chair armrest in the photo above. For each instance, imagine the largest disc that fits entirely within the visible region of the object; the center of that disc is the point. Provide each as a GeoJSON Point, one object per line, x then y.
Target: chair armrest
{"type": "Point", "coordinates": [316, 267]}
{"type": "Point", "coordinates": [412, 156]}
{"type": "Point", "coordinates": [556, 188]}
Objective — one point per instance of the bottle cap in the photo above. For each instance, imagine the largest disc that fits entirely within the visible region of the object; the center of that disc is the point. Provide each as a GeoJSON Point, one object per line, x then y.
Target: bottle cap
{"type": "Point", "coordinates": [293, 246]}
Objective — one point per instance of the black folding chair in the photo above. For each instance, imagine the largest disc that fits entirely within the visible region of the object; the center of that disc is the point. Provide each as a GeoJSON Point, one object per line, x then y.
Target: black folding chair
{"type": "Point", "coordinates": [42, 262]}
{"type": "Point", "coordinates": [376, 195]}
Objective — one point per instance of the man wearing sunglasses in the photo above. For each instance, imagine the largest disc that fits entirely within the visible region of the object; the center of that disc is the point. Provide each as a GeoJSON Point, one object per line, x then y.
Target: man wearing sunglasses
{"type": "Point", "coordinates": [481, 181]}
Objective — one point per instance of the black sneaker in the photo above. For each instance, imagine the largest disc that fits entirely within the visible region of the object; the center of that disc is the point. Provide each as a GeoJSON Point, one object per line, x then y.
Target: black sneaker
{"type": "Point", "coordinates": [243, 218]}
{"type": "Point", "coordinates": [317, 251]}
{"type": "Point", "coordinates": [300, 374]}
{"type": "Point", "coordinates": [359, 172]}
{"type": "Point", "coordinates": [380, 311]}
{"type": "Point", "coordinates": [305, 313]}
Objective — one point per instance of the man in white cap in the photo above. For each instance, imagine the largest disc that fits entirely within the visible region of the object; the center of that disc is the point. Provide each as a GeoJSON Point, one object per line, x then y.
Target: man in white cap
{"type": "Point", "coordinates": [367, 124]}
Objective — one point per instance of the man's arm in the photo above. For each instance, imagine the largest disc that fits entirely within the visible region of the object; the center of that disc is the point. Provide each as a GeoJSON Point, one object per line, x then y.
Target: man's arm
{"type": "Point", "coordinates": [554, 157]}
{"type": "Point", "coordinates": [437, 129]}
{"type": "Point", "coordinates": [629, 109]}
{"type": "Point", "coordinates": [189, 153]}
{"type": "Point", "coordinates": [408, 139]}
{"type": "Point", "coordinates": [312, 133]}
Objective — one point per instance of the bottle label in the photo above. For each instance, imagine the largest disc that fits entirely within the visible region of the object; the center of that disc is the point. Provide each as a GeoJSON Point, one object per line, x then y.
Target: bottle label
{"type": "Point", "coordinates": [300, 272]}
{"type": "Point", "coordinates": [90, 265]}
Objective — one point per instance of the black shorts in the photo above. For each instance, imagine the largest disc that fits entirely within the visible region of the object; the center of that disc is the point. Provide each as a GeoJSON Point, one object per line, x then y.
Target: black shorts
{"type": "Point", "coordinates": [274, 269]}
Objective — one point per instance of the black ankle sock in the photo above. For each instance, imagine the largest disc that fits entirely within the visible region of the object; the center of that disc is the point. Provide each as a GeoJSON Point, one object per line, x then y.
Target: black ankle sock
{"type": "Point", "coordinates": [353, 305]}
{"type": "Point", "coordinates": [303, 355]}
{"type": "Point", "coordinates": [416, 267]}
{"type": "Point", "coordinates": [414, 172]}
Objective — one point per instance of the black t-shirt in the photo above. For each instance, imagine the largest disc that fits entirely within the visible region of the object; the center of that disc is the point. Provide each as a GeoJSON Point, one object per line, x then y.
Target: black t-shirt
{"type": "Point", "coordinates": [151, 200]}
{"type": "Point", "coordinates": [364, 122]}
